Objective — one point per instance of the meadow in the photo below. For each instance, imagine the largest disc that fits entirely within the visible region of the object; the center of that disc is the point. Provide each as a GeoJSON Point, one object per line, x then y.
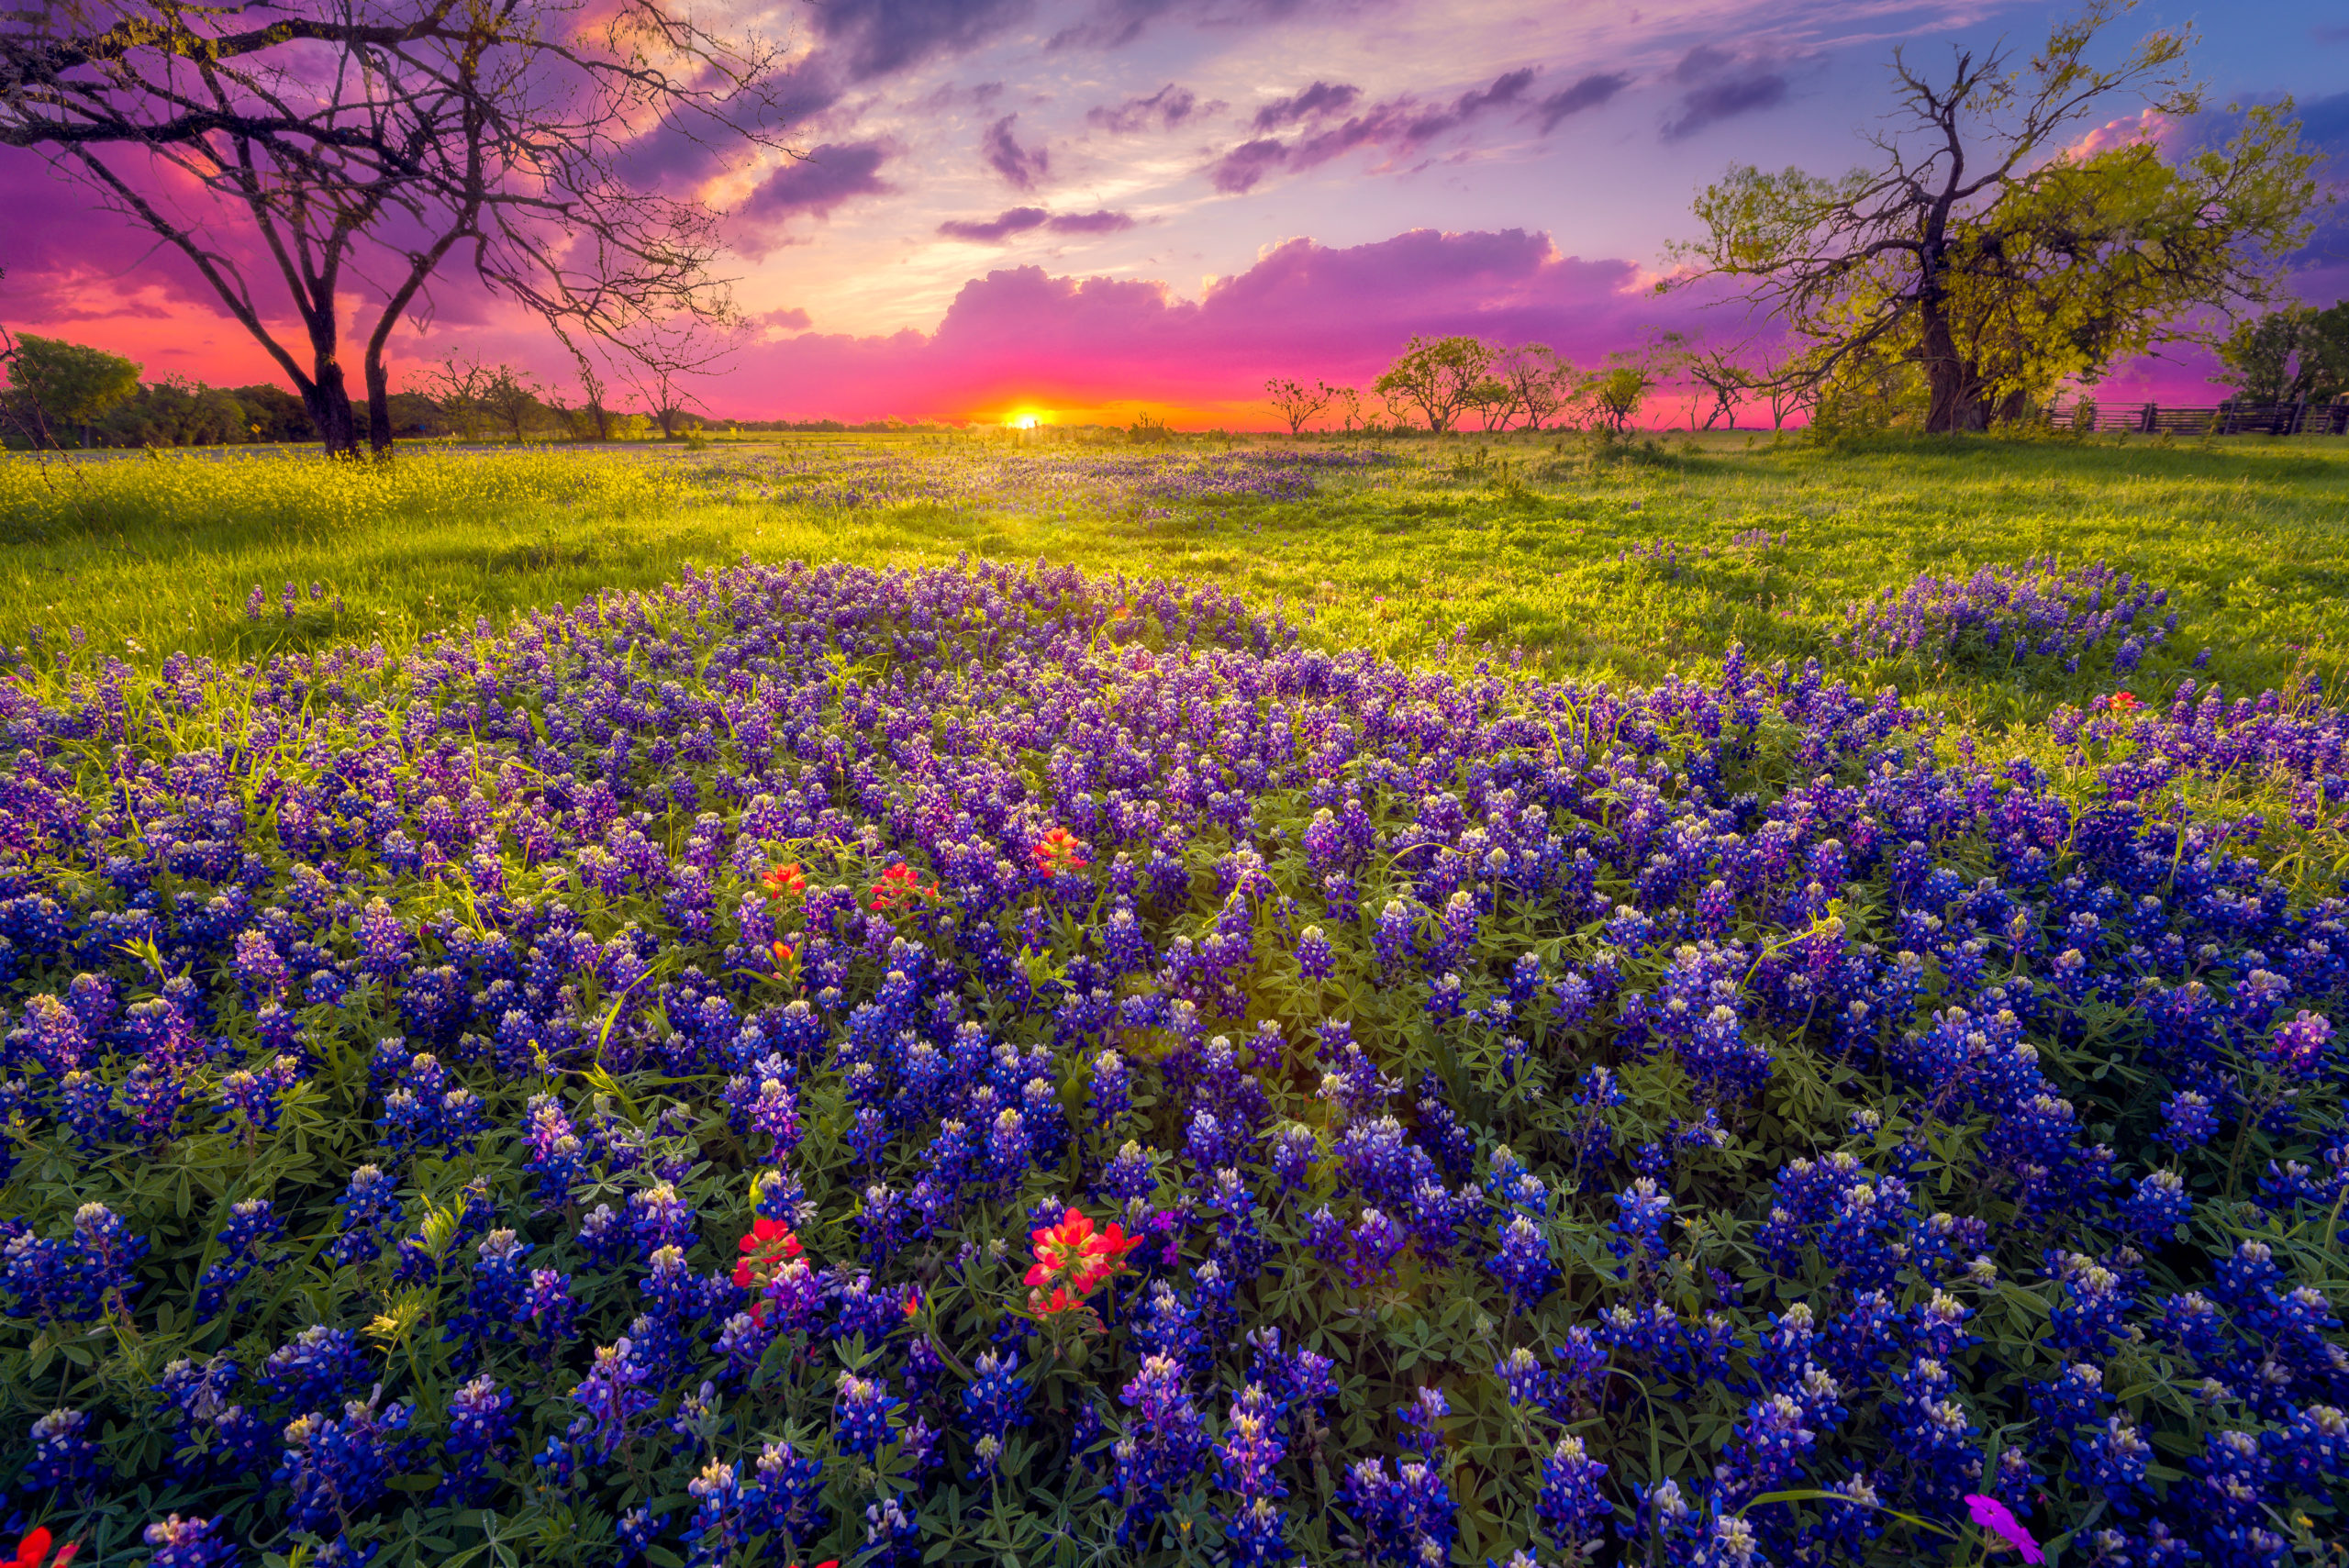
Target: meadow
{"type": "Point", "coordinates": [1515, 542]}
{"type": "Point", "coordinates": [1529, 1001]}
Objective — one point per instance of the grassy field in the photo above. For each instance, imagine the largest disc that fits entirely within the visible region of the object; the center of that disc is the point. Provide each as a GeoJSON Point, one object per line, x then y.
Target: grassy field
{"type": "Point", "coordinates": [1617, 562]}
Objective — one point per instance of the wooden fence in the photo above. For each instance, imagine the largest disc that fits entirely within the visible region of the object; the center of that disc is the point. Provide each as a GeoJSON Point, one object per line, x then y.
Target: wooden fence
{"type": "Point", "coordinates": [2301, 419]}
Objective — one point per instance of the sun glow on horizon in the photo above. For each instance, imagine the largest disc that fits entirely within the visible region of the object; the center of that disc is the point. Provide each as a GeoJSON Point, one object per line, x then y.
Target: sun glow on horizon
{"type": "Point", "coordinates": [1024, 419]}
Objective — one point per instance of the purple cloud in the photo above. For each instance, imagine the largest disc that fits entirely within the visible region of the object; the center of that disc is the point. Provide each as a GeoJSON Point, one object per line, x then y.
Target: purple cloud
{"type": "Point", "coordinates": [1169, 106]}
{"type": "Point", "coordinates": [1322, 98]}
{"type": "Point", "coordinates": [1238, 169]}
{"type": "Point", "coordinates": [1401, 123]}
{"type": "Point", "coordinates": [876, 37]}
{"type": "Point", "coordinates": [997, 229]}
{"type": "Point", "coordinates": [1587, 93]}
{"type": "Point", "coordinates": [1718, 101]}
{"type": "Point", "coordinates": [1101, 222]}
{"type": "Point", "coordinates": [790, 320]}
{"type": "Point", "coordinates": [1021, 219]}
{"type": "Point", "coordinates": [1019, 166]}
{"type": "Point", "coordinates": [829, 175]}
{"type": "Point", "coordinates": [1719, 90]}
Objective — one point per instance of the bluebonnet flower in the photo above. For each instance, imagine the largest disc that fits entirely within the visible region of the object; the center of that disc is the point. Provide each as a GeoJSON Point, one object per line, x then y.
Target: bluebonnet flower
{"type": "Point", "coordinates": [616, 1391]}
{"type": "Point", "coordinates": [1248, 1456]}
{"type": "Point", "coordinates": [337, 1469]}
{"type": "Point", "coordinates": [861, 1418]}
{"type": "Point", "coordinates": [995, 1403]}
{"type": "Point", "coordinates": [250, 1223]}
{"type": "Point", "coordinates": [720, 1522]}
{"type": "Point", "coordinates": [190, 1542]}
{"type": "Point", "coordinates": [64, 1458]}
{"type": "Point", "coordinates": [1161, 1448]}
{"type": "Point", "coordinates": [2157, 1206]}
{"type": "Point", "coordinates": [314, 1368]}
{"type": "Point", "coordinates": [1570, 1506]}
{"type": "Point", "coordinates": [370, 1208]}
{"type": "Point", "coordinates": [782, 1490]}
{"type": "Point", "coordinates": [636, 1528]}
{"type": "Point", "coordinates": [892, 1536]}
{"type": "Point", "coordinates": [1523, 1264]}
{"type": "Point", "coordinates": [1643, 1209]}
{"type": "Point", "coordinates": [480, 1422]}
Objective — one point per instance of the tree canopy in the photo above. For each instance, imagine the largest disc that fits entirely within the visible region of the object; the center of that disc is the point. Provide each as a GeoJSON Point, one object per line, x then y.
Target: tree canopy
{"type": "Point", "coordinates": [2001, 250]}
{"type": "Point", "coordinates": [1437, 378]}
{"type": "Point", "coordinates": [68, 383]}
{"type": "Point", "coordinates": [2289, 354]}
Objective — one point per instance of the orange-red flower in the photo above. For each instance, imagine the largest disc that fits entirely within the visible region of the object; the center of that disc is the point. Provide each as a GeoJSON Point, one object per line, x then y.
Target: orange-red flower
{"type": "Point", "coordinates": [34, 1548]}
{"type": "Point", "coordinates": [782, 954]}
{"type": "Point", "coordinates": [2126, 700]}
{"type": "Point", "coordinates": [1057, 850]}
{"type": "Point", "coordinates": [899, 886]}
{"type": "Point", "coordinates": [765, 1249]}
{"type": "Point", "coordinates": [1073, 1255]}
{"type": "Point", "coordinates": [784, 881]}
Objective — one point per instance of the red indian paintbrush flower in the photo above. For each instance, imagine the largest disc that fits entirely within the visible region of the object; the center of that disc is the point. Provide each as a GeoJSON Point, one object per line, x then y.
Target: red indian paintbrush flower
{"type": "Point", "coordinates": [784, 881]}
{"type": "Point", "coordinates": [34, 1548]}
{"type": "Point", "coordinates": [1073, 1256]}
{"type": "Point", "coordinates": [764, 1250]}
{"type": "Point", "coordinates": [900, 884]}
{"type": "Point", "coordinates": [1058, 850]}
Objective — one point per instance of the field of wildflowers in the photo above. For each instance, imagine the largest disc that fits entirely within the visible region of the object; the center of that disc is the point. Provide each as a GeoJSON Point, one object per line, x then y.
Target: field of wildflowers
{"type": "Point", "coordinates": [1003, 1063]}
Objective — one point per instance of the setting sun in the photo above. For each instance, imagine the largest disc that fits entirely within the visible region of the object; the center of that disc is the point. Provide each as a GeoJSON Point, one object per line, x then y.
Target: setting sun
{"type": "Point", "coordinates": [1024, 421]}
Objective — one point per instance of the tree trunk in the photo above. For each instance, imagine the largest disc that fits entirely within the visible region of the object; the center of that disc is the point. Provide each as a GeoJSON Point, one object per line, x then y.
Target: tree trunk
{"type": "Point", "coordinates": [379, 404]}
{"type": "Point", "coordinates": [328, 401]}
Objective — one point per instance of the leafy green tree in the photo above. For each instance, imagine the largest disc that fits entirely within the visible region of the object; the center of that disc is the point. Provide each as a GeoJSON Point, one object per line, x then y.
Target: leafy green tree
{"type": "Point", "coordinates": [1617, 392]}
{"type": "Point", "coordinates": [1437, 377]}
{"type": "Point", "coordinates": [273, 414]}
{"type": "Point", "coordinates": [68, 383]}
{"type": "Point", "coordinates": [177, 412]}
{"type": "Point", "coordinates": [1988, 250]}
{"type": "Point", "coordinates": [2297, 352]}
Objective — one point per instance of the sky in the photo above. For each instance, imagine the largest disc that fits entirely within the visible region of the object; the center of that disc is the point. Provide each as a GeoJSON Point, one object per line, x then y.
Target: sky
{"type": "Point", "coordinates": [1092, 209]}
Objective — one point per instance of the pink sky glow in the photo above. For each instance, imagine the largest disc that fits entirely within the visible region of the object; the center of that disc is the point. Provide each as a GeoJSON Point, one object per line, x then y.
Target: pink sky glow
{"type": "Point", "coordinates": [1090, 210]}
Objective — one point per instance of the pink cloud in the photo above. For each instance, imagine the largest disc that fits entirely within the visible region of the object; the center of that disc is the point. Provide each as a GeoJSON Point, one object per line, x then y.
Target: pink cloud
{"type": "Point", "coordinates": [1023, 335]}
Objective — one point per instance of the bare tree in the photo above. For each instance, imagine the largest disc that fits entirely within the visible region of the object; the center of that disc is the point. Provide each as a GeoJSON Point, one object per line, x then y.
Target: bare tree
{"type": "Point", "coordinates": [1348, 401]}
{"type": "Point", "coordinates": [459, 383]}
{"type": "Point", "coordinates": [597, 413]}
{"type": "Point", "coordinates": [1298, 403]}
{"type": "Point", "coordinates": [510, 398]}
{"type": "Point", "coordinates": [661, 362]}
{"type": "Point", "coordinates": [1786, 374]}
{"type": "Point", "coordinates": [1716, 375]}
{"type": "Point", "coordinates": [357, 145]}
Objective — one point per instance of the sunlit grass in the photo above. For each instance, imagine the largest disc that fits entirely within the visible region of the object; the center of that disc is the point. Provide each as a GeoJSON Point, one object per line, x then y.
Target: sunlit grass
{"type": "Point", "coordinates": [1514, 543]}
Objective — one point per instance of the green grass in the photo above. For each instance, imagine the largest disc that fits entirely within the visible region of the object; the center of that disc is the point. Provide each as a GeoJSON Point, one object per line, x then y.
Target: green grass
{"type": "Point", "coordinates": [1517, 541]}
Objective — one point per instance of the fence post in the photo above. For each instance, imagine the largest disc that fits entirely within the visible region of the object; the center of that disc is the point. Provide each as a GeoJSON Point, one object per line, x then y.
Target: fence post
{"type": "Point", "coordinates": [2152, 418]}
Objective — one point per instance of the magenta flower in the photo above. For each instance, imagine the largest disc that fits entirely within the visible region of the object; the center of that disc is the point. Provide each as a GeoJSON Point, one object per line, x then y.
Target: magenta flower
{"type": "Point", "coordinates": [1999, 1520]}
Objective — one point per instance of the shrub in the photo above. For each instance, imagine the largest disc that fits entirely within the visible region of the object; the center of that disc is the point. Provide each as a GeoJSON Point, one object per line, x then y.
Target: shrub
{"type": "Point", "coordinates": [829, 1062]}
